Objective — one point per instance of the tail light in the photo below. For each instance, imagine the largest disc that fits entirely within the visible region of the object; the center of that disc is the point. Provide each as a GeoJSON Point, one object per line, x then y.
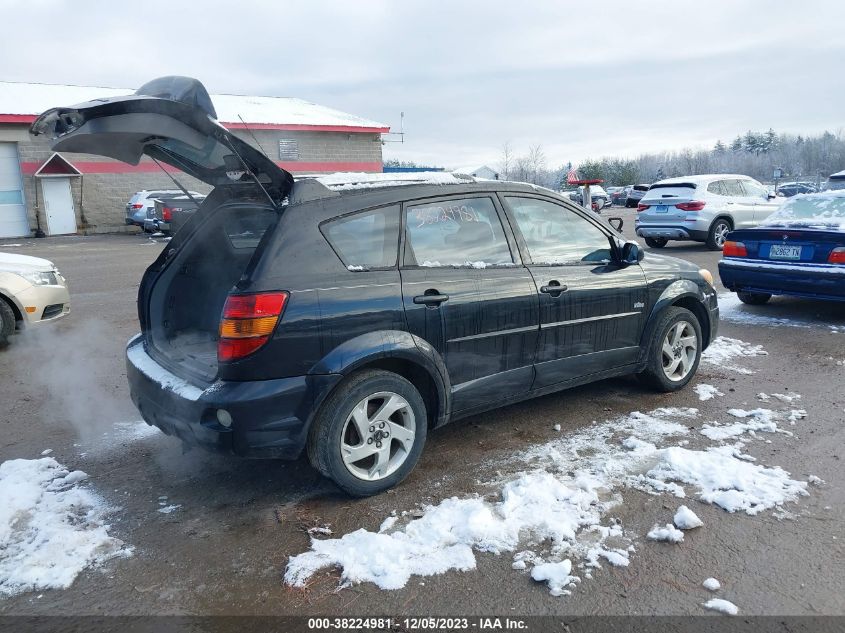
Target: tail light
{"type": "Point", "coordinates": [837, 256]}
{"type": "Point", "coordinates": [642, 207]}
{"type": "Point", "coordinates": [167, 214]}
{"type": "Point", "coordinates": [137, 205]}
{"type": "Point", "coordinates": [692, 205]}
{"type": "Point", "coordinates": [247, 323]}
{"type": "Point", "coordinates": [734, 249]}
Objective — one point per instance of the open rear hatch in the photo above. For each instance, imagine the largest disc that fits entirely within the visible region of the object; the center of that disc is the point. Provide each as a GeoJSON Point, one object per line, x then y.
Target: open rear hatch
{"type": "Point", "coordinates": [172, 120]}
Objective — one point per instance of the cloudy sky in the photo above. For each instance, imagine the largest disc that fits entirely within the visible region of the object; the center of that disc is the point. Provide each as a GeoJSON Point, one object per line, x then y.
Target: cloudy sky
{"type": "Point", "coordinates": [583, 79]}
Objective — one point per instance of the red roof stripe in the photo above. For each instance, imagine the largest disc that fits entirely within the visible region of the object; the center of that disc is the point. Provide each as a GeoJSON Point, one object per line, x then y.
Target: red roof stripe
{"type": "Point", "coordinates": [108, 167]}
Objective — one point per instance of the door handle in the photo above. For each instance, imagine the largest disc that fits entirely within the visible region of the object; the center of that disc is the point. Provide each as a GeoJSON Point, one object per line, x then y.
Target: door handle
{"type": "Point", "coordinates": [553, 288]}
{"type": "Point", "coordinates": [431, 298]}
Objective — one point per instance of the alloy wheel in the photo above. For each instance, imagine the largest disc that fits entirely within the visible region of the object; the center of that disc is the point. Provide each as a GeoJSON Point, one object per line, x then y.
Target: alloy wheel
{"type": "Point", "coordinates": [679, 351]}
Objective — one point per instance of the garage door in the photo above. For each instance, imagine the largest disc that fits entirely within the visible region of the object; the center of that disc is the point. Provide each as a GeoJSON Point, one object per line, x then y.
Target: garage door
{"type": "Point", "coordinates": [13, 220]}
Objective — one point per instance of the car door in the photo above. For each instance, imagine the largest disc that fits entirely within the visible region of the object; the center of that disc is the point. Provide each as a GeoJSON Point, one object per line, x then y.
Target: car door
{"type": "Point", "coordinates": [738, 204]}
{"type": "Point", "coordinates": [591, 305]}
{"type": "Point", "coordinates": [758, 195]}
{"type": "Point", "coordinates": [466, 292]}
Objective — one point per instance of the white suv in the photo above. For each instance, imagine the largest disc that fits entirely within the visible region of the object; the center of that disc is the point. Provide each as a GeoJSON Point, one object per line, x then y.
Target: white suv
{"type": "Point", "coordinates": [702, 208]}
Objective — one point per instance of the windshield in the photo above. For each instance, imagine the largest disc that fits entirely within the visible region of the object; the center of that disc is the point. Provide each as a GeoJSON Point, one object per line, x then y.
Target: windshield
{"type": "Point", "coordinates": [824, 210]}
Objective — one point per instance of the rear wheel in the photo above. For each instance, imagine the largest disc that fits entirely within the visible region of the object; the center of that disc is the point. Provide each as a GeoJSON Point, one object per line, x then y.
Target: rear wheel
{"type": "Point", "coordinates": [675, 351]}
{"type": "Point", "coordinates": [754, 298]}
{"type": "Point", "coordinates": [369, 434]}
{"type": "Point", "coordinates": [7, 322]}
{"type": "Point", "coordinates": [656, 242]}
{"type": "Point", "coordinates": [718, 234]}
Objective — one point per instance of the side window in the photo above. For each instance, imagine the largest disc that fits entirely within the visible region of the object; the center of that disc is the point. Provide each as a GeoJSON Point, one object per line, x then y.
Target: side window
{"type": "Point", "coordinates": [465, 232]}
{"type": "Point", "coordinates": [716, 187]}
{"type": "Point", "coordinates": [754, 189]}
{"type": "Point", "coordinates": [557, 235]}
{"type": "Point", "coordinates": [733, 188]}
{"type": "Point", "coordinates": [369, 239]}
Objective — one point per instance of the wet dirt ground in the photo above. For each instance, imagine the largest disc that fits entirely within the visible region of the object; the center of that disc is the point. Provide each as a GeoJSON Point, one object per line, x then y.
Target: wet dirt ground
{"type": "Point", "coordinates": [224, 549]}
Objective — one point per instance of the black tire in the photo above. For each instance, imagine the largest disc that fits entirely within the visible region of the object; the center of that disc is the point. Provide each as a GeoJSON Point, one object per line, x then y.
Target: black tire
{"type": "Point", "coordinates": [654, 374]}
{"type": "Point", "coordinates": [754, 298]}
{"type": "Point", "coordinates": [656, 242]}
{"type": "Point", "coordinates": [330, 424]}
{"type": "Point", "coordinates": [716, 235]}
{"type": "Point", "coordinates": [7, 322]}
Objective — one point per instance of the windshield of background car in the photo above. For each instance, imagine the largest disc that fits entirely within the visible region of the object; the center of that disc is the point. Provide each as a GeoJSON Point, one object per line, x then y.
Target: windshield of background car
{"type": "Point", "coordinates": [820, 210]}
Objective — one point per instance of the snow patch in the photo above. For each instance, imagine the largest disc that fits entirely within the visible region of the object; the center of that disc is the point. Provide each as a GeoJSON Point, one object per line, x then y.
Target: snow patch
{"type": "Point", "coordinates": [556, 575]}
{"type": "Point", "coordinates": [686, 519]}
{"type": "Point", "coordinates": [711, 584]}
{"type": "Point", "coordinates": [717, 604]}
{"type": "Point", "coordinates": [666, 533]}
{"type": "Point", "coordinates": [50, 528]}
{"type": "Point", "coordinates": [724, 351]}
{"type": "Point", "coordinates": [706, 392]}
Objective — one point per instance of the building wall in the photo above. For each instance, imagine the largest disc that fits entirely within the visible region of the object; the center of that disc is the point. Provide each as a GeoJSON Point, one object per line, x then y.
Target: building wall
{"type": "Point", "coordinates": [101, 193]}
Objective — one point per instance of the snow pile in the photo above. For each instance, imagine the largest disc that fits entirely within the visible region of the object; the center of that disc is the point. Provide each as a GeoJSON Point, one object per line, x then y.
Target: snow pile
{"type": "Point", "coordinates": [711, 584]}
{"type": "Point", "coordinates": [706, 392]}
{"type": "Point", "coordinates": [50, 528]}
{"type": "Point", "coordinates": [686, 519]}
{"type": "Point", "coordinates": [755, 420]}
{"type": "Point", "coordinates": [345, 181]}
{"type": "Point", "coordinates": [666, 533]}
{"type": "Point", "coordinates": [552, 513]}
{"type": "Point", "coordinates": [723, 351]}
{"type": "Point", "coordinates": [717, 604]}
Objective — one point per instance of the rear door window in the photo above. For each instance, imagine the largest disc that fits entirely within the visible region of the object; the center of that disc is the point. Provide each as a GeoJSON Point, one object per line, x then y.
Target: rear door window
{"type": "Point", "coordinates": [716, 187]}
{"type": "Point", "coordinates": [755, 190]}
{"type": "Point", "coordinates": [555, 235]}
{"type": "Point", "coordinates": [464, 232]}
{"type": "Point", "coordinates": [732, 188]}
{"type": "Point", "coordinates": [365, 240]}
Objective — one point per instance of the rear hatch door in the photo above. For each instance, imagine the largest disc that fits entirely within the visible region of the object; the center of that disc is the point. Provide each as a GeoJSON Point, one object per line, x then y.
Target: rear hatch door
{"type": "Point", "coordinates": [662, 200]}
{"type": "Point", "coordinates": [172, 120]}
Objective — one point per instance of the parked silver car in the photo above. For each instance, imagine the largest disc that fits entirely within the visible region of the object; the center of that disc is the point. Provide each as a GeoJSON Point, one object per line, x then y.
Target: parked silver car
{"type": "Point", "coordinates": [702, 208]}
{"type": "Point", "coordinates": [142, 205]}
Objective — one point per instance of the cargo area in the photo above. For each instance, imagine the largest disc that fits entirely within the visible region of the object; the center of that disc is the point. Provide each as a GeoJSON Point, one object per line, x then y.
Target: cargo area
{"type": "Point", "coordinates": [187, 298]}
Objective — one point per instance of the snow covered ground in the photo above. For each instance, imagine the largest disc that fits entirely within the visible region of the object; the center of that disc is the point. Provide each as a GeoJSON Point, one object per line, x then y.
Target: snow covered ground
{"type": "Point", "coordinates": [732, 310]}
{"type": "Point", "coordinates": [51, 527]}
{"type": "Point", "coordinates": [725, 352]}
{"type": "Point", "coordinates": [553, 514]}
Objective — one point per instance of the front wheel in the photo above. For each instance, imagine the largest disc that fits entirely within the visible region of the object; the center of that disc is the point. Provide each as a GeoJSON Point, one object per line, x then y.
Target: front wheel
{"type": "Point", "coordinates": [754, 298]}
{"type": "Point", "coordinates": [369, 434]}
{"type": "Point", "coordinates": [718, 234]}
{"type": "Point", "coordinates": [675, 351]}
{"type": "Point", "coordinates": [656, 242]}
{"type": "Point", "coordinates": [7, 322]}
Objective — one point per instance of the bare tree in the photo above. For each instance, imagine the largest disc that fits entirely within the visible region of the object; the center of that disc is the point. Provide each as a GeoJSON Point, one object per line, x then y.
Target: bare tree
{"type": "Point", "coordinates": [536, 164]}
{"type": "Point", "coordinates": [506, 161]}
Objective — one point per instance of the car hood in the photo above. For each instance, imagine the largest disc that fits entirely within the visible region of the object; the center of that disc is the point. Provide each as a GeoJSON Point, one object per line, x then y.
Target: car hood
{"type": "Point", "coordinates": [14, 263]}
{"type": "Point", "coordinates": [654, 264]}
{"type": "Point", "coordinates": [172, 120]}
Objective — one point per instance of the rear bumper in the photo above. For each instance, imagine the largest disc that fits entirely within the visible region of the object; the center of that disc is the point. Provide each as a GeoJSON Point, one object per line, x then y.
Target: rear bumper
{"type": "Point", "coordinates": [670, 232]}
{"type": "Point", "coordinates": [799, 280]}
{"type": "Point", "coordinates": [270, 417]}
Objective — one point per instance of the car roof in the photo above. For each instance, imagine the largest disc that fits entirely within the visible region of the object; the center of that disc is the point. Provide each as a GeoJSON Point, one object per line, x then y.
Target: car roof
{"type": "Point", "coordinates": [701, 178]}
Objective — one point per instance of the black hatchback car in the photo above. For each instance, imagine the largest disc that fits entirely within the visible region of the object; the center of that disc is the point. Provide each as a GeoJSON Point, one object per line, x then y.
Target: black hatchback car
{"type": "Point", "coordinates": [287, 316]}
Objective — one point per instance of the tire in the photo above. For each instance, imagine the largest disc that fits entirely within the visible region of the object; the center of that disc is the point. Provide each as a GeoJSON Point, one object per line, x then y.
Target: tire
{"type": "Point", "coordinates": [335, 433]}
{"type": "Point", "coordinates": [754, 298]}
{"type": "Point", "coordinates": [7, 322]}
{"type": "Point", "coordinates": [717, 233]}
{"type": "Point", "coordinates": [656, 242]}
{"type": "Point", "coordinates": [661, 372]}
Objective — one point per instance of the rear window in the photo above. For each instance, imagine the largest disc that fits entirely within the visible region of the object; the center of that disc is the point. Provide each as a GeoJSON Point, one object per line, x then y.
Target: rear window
{"type": "Point", "coordinates": [365, 240]}
{"type": "Point", "coordinates": [672, 185]}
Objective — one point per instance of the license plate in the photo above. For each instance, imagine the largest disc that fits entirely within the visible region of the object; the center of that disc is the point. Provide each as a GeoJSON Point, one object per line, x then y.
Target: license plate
{"type": "Point", "coordinates": [779, 251]}
{"type": "Point", "coordinates": [661, 208]}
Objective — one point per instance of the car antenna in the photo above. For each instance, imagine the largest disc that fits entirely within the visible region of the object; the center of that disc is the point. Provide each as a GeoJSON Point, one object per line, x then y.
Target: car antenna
{"type": "Point", "coordinates": [175, 182]}
{"type": "Point", "coordinates": [246, 127]}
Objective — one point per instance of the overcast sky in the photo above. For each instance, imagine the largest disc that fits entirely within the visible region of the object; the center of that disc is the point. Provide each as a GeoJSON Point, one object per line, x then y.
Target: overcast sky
{"type": "Point", "coordinates": [584, 79]}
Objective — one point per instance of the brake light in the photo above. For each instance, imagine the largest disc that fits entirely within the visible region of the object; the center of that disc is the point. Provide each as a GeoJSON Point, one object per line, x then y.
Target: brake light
{"type": "Point", "coordinates": [137, 205]}
{"type": "Point", "coordinates": [166, 214]}
{"type": "Point", "coordinates": [837, 256]}
{"type": "Point", "coordinates": [734, 249]}
{"type": "Point", "coordinates": [642, 207]}
{"type": "Point", "coordinates": [692, 205]}
{"type": "Point", "coordinates": [247, 323]}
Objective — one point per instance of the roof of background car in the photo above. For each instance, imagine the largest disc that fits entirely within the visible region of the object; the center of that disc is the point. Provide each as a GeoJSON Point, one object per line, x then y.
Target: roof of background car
{"type": "Point", "coordinates": [27, 100]}
{"type": "Point", "coordinates": [700, 178]}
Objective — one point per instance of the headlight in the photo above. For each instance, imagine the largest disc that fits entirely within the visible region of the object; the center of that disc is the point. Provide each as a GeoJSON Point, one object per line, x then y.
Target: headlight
{"type": "Point", "coordinates": [708, 276]}
{"type": "Point", "coordinates": [41, 278]}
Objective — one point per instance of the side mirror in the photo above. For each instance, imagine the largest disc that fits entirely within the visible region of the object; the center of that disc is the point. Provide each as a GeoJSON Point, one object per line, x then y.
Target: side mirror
{"type": "Point", "coordinates": [632, 253]}
{"type": "Point", "coordinates": [616, 223]}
